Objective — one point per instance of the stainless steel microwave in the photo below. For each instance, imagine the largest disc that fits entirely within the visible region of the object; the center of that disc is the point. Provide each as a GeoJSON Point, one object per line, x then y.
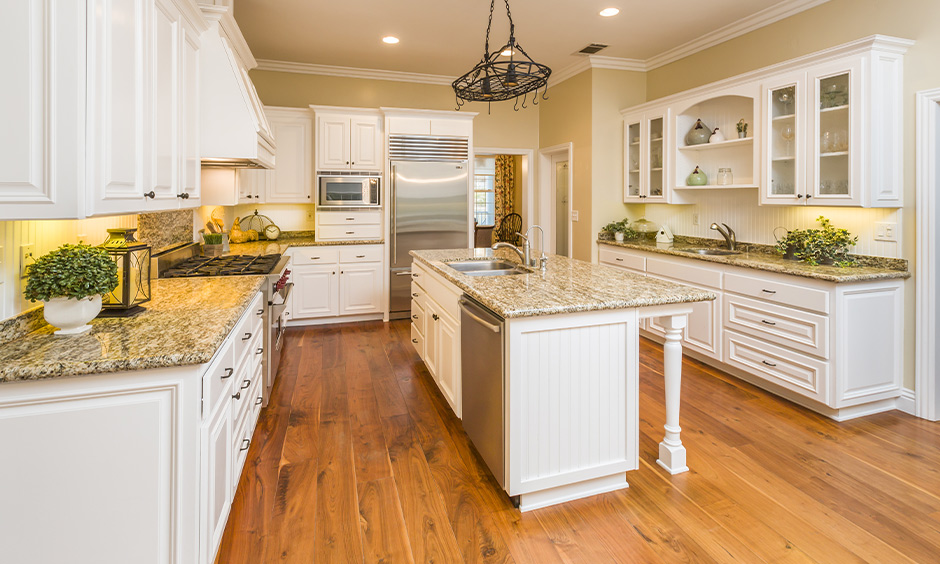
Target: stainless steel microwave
{"type": "Point", "coordinates": [348, 191]}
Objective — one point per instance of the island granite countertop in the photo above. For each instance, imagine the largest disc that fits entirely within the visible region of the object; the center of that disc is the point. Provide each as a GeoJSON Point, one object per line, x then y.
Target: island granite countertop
{"type": "Point", "coordinates": [185, 323]}
{"type": "Point", "coordinates": [566, 286]}
{"type": "Point", "coordinates": [762, 257]}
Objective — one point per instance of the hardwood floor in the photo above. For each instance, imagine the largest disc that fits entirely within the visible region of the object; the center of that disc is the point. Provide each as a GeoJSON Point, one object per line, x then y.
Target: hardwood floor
{"type": "Point", "coordinates": [359, 459]}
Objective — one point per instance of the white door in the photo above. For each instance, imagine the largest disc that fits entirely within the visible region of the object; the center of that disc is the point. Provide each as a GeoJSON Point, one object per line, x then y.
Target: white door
{"type": "Point", "coordinates": [118, 110]}
{"type": "Point", "coordinates": [165, 124]}
{"type": "Point", "coordinates": [191, 175]}
{"type": "Point", "coordinates": [561, 204]}
{"type": "Point", "coordinates": [448, 360]}
{"type": "Point", "coordinates": [432, 347]}
{"type": "Point", "coordinates": [252, 185]}
{"type": "Point", "coordinates": [360, 288]}
{"type": "Point", "coordinates": [292, 178]}
{"type": "Point", "coordinates": [332, 143]}
{"type": "Point", "coordinates": [783, 147]}
{"type": "Point", "coordinates": [217, 479]}
{"type": "Point", "coordinates": [365, 149]}
{"type": "Point", "coordinates": [316, 291]}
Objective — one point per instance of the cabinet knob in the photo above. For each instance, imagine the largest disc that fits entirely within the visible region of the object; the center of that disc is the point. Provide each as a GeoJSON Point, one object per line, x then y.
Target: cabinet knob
{"type": "Point", "coordinates": [151, 194]}
{"type": "Point", "coordinates": [799, 196]}
{"type": "Point", "coordinates": [238, 395]}
{"type": "Point", "coordinates": [354, 162]}
{"type": "Point", "coordinates": [435, 316]}
{"type": "Point", "coordinates": [347, 162]}
{"type": "Point", "coordinates": [183, 195]}
{"type": "Point", "coordinates": [808, 196]}
{"type": "Point", "coordinates": [228, 373]}
{"type": "Point", "coordinates": [308, 196]}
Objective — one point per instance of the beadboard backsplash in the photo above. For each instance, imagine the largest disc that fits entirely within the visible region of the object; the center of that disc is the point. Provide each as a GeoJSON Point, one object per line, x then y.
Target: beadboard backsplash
{"type": "Point", "coordinates": [755, 224]}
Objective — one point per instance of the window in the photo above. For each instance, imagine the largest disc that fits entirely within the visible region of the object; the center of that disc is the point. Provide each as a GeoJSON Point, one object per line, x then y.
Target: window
{"type": "Point", "coordinates": [484, 191]}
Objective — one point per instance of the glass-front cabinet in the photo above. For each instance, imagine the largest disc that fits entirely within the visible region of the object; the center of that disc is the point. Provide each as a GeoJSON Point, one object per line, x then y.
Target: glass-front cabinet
{"type": "Point", "coordinates": [645, 143]}
{"type": "Point", "coordinates": [812, 136]}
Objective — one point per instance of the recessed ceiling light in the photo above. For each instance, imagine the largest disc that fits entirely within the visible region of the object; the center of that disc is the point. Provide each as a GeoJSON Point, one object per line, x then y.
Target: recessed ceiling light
{"type": "Point", "coordinates": [507, 53]}
{"type": "Point", "coordinates": [608, 12]}
{"type": "Point", "coordinates": [390, 39]}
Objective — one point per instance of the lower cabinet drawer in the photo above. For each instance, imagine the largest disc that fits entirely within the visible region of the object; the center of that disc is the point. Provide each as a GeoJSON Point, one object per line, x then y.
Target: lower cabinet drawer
{"type": "Point", "coordinates": [623, 259]}
{"type": "Point", "coordinates": [314, 255]}
{"type": "Point", "coordinates": [417, 315]}
{"type": "Point", "coordinates": [801, 330]}
{"type": "Point", "coordinates": [239, 452]}
{"type": "Point", "coordinates": [791, 370]}
{"type": "Point", "coordinates": [348, 232]}
{"type": "Point", "coordinates": [349, 218]}
{"type": "Point", "coordinates": [256, 397]}
{"type": "Point", "coordinates": [372, 253]}
{"type": "Point", "coordinates": [804, 297]}
{"type": "Point", "coordinates": [417, 339]}
{"type": "Point", "coordinates": [217, 381]}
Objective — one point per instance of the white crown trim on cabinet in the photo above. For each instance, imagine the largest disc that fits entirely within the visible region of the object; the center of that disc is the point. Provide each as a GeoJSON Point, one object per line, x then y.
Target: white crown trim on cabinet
{"type": "Point", "coordinates": [352, 72]}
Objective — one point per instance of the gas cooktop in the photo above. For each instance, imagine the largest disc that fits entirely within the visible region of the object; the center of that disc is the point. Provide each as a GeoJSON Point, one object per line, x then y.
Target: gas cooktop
{"type": "Point", "coordinates": [230, 265]}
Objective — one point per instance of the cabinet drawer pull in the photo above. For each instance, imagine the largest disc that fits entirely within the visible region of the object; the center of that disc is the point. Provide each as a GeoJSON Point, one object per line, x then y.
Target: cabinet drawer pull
{"type": "Point", "coordinates": [769, 291]}
{"type": "Point", "coordinates": [768, 363]}
{"type": "Point", "coordinates": [350, 232]}
{"type": "Point", "coordinates": [350, 219]}
{"type": "Point", "coordinates": [246, 337]}
{"type": "Point", "coordinates": [237, 396]}
{"type": "Point", "coordinates": [258, 401]}
{"type": "Point", "coordinates": [414, 274]}
{"type": "Point", "coordinates": [314, 258]}
{"type": "Point", "coordinates": [245, 384]}
{"type": "Point", "coordinates": [246, 443]}
{"type": "Point", "coordinates": [619, 259]}
{"type": "Point", "coordinates": [260, 311]}
{"type": "Point", "coordinates": [415, 316]}
{"type": "Point", "coordinates": [435, 316]}
{"type": "Point", "coordinates": [260, 350]}
{"type": "Point", "coordinates": [228, 373]}
{"type": "Point", "coordinates": [360, 256]}
{"type": "Point", "coordinates": [414, 294]}
{"type": "Point", "coordinates": [414, 341]}
{"type": "Point", "coordinates": [767, 322]}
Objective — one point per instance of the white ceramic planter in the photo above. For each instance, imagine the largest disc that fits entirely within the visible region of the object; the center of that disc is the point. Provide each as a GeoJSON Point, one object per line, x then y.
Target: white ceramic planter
{"type": "Point", "coordinates": [618, 236]}
{"type": "Point", "coordinates": [71, 316]}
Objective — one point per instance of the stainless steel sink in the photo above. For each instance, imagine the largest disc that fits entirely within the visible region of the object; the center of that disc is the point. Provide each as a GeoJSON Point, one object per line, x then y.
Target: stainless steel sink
{"type": "Point", "coordinates": [487, 268]}
{"type": "Point", "coordinates": [710, 252]}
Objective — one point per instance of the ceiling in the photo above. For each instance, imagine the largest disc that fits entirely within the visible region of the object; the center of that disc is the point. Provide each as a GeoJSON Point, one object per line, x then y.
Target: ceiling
{"type": "Point", "coordinates": [445, 37]}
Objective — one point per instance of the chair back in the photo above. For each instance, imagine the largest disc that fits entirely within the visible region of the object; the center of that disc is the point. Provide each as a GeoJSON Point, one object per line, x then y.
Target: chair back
{"type": "Point", "coordinates": [508, 229]}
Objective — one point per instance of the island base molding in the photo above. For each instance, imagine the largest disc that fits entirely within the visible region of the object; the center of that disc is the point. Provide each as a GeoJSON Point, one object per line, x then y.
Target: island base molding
{"type": "Point", "coordinates": [571, 492]}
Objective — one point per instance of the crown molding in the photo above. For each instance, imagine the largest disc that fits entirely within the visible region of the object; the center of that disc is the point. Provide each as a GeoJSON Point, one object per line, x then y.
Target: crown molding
{"type": "Point", "coordinates": [352, 72]}
{"type": "Point", "coordinates": [572, 70]}
{"type": "Point", "coordinates": [745, 25]}
{"type": "Point", "coordinates": [614, 63]}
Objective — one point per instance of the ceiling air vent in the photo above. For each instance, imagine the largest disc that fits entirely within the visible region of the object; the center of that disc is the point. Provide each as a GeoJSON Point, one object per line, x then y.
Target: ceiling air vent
{"type": "Point", "coordinates": [592, 49]}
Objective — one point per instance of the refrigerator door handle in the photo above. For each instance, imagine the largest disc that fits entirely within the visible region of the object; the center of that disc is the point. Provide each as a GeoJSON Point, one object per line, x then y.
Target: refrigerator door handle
{"type": "Point", "coordinates": [394, 228]}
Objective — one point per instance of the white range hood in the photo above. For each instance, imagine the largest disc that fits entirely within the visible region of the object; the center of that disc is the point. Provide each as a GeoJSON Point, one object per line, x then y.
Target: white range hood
{"type": "Point", "coordinates": [234, 132]}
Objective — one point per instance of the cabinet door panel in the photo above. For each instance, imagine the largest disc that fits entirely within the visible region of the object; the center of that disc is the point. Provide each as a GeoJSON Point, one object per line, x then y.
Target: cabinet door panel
{"type": "Point", "coordinates": [191, 166]}
{"type": "Point", "coordinates": [364, 144]}
{"type": "Point", "coordinates": [315, 292]}
{"type": "Point", "coordinates": [703, 330]}
{"type": "Point", "coordinates": [361, 289]}
{"type": "Point", "coordinates": [834, 175]}
{"type": "Point", "coordinates": [333, 143]}
{"type": "Point", "coordinates": [165, 122]}
{"type": "Point", "coordinates": [784, 139]}
{"type": "Point", "coordinates": [216, 481]}
{"type": "Point", "coordinates": [118, 111]}
{"type": "Point", "coordinates": [432, 337]}
{"type": "Point", "coordinates": [292, 175]}
{"type": "Point", "coordinates": [448, 377]}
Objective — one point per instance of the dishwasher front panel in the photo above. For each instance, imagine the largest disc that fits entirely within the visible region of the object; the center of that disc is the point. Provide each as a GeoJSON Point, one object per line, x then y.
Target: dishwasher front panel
{"type": "Point", "coordinates": [483, 383]}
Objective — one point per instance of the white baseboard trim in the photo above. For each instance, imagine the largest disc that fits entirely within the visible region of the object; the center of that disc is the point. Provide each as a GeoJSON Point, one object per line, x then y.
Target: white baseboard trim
{"type": "Point", "coordinates": [335, 320]}
{"type": "Point", "coordinates": [907, 402]}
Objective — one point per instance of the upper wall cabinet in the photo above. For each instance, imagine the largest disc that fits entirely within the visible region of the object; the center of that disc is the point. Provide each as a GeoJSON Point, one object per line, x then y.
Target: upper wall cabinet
{"type": "Point", "coordinates": [348, 140]}
{"type": "Point", "coordinates": [824, 129]}
{"type": "Point", "coordinates": [99, 109]}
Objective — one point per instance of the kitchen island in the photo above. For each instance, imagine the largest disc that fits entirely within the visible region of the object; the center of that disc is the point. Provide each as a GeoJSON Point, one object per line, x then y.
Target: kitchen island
{"type": "Point", "coordinates": [570, 368]}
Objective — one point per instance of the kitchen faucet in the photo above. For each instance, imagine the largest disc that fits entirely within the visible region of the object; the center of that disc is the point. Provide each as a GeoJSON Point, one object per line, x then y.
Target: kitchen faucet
{"type": "Point", "coordinates": [729, 236]}
{"type": "Point", "coordinates": [524, 254]}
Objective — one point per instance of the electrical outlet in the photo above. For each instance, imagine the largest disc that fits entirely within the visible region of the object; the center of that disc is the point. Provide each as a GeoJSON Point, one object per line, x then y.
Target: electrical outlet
{"type": "Point", "coordinates": [310, 216]}
{"type": "Point", "coordinates": [695, 218]}
{"type": "Point", "coordinates": [886, 231]}
{"type": "Point", "coordinates": [574, 215]}
{"type": "Point", "coordinates": [26, 258]}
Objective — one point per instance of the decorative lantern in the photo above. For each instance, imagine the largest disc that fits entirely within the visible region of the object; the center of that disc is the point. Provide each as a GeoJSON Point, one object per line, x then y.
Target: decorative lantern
{"type": "Point", "coordinates": [133, 262]}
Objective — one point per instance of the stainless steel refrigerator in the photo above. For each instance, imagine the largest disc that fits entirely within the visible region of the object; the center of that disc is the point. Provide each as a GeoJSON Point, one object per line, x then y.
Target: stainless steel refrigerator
{"type": "Point", "coordinates": [430, 209]}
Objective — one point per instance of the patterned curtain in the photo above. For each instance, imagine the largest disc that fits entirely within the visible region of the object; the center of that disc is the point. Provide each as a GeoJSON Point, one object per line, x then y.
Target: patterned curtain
{"type": "Point", "coordinates": [504, 183]}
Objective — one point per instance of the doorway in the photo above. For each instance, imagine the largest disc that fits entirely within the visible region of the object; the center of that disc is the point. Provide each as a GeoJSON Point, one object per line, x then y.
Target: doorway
{"type": "Point", "coordinates": [555, 215]}
{"type": "Point", "coordinates": [524, 202]}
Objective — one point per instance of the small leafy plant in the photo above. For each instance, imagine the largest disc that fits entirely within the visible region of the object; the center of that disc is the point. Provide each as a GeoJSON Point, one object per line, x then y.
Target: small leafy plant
{"type": "Point", "coordinates": [212, 238]}
{"type": "Point", "coordinates": [742, 126]}
{"type": "Point", "coordinates": [828, 245]}
{"type": "Point", "coordinates": [622, 226]}
{"type": "Point", "coordinates": [71, 271]}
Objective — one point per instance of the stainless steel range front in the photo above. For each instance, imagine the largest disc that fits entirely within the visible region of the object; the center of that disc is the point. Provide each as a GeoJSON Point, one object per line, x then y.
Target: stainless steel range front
{"type": "Point", "coordinates": [186, 262]}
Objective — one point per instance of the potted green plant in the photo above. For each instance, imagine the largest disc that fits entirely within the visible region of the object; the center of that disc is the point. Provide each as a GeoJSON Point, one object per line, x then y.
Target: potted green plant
{"type": "Point", "coordinates": [620, 229]}
{"type": "Point", "coordinates": [828, 245]}
{"type": "Point", "coordinates": [742, 128]}
{"type": "Point", "coordinates": [213, 244]}
{"type": "Point", "coordinates": [70, 281]}
{"type": "Point", "coordinates": [792, 243]}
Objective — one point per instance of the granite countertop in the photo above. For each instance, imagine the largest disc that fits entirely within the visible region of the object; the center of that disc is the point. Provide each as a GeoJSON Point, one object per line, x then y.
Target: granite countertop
{"type": "Point", "coordinates": [286, 241]}
{"type": "Point", "coordinates": [566, 286]}
{"type": "Point", "coordinates": [185, 323]}
{"type": "Point", "coordinates": [762, 257]}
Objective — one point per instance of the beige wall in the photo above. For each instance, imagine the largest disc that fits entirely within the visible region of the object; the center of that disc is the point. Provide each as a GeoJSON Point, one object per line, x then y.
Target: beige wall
{"type": "Point", "coordinates": [566, 118]}
{"type": "Point", "coordinates": [501, 128]}
{"type": "Point", "coordinates": [517, 188]}
{"type": "Point", "coordinates": [827, 25]}
{"type": "Point", "coordinates": [611, 91]}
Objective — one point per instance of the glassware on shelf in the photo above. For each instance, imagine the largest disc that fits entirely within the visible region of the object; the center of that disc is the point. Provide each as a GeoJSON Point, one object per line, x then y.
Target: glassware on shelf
{"type": "Point", "coordinates": [840, 142]}
{"type": "Point", "coordinates": [833, 96]}
{"type": "Point", "coordinates": [785, 97]}
{"type": "Point", "coordinates": [787, 133]}
{"type": "Point", "coordinates": [827, 142]}
{"type": "Point", "coordinates": [725, 177]}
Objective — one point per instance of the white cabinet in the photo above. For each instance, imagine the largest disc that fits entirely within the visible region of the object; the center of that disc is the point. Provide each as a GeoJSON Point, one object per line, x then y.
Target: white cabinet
{"type": "Point", "coordinates": [436, 123]}
{"type": "Point", "coordinates": [348, 141]}
{"type": "Point", "coordinates": [217, 480]}
{"type": "Point", "coordinates": [832, 130]}
{"type": "Point", "coordinates": [838, 345]}
{"type": "Point", "coordinates": [331, 281]}
{"type": "Point", "coordinates": [646, 140]}
{"type": "Point", "coordinates": [436, 331]}
{"type": "Point", "coordinates": [98, 112]}
{"type": "Point", "coordinates": [346, 225]}
{"type": "Point", "coordinates": [291, 180]}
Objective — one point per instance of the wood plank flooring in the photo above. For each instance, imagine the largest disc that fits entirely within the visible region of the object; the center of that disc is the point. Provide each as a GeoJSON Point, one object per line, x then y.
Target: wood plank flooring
{"type": "Point", "coordinates": [359, 459]}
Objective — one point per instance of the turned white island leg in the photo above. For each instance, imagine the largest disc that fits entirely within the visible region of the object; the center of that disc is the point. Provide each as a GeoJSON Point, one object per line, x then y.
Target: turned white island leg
{"type": "Point", "coordinates": [671, 451]}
